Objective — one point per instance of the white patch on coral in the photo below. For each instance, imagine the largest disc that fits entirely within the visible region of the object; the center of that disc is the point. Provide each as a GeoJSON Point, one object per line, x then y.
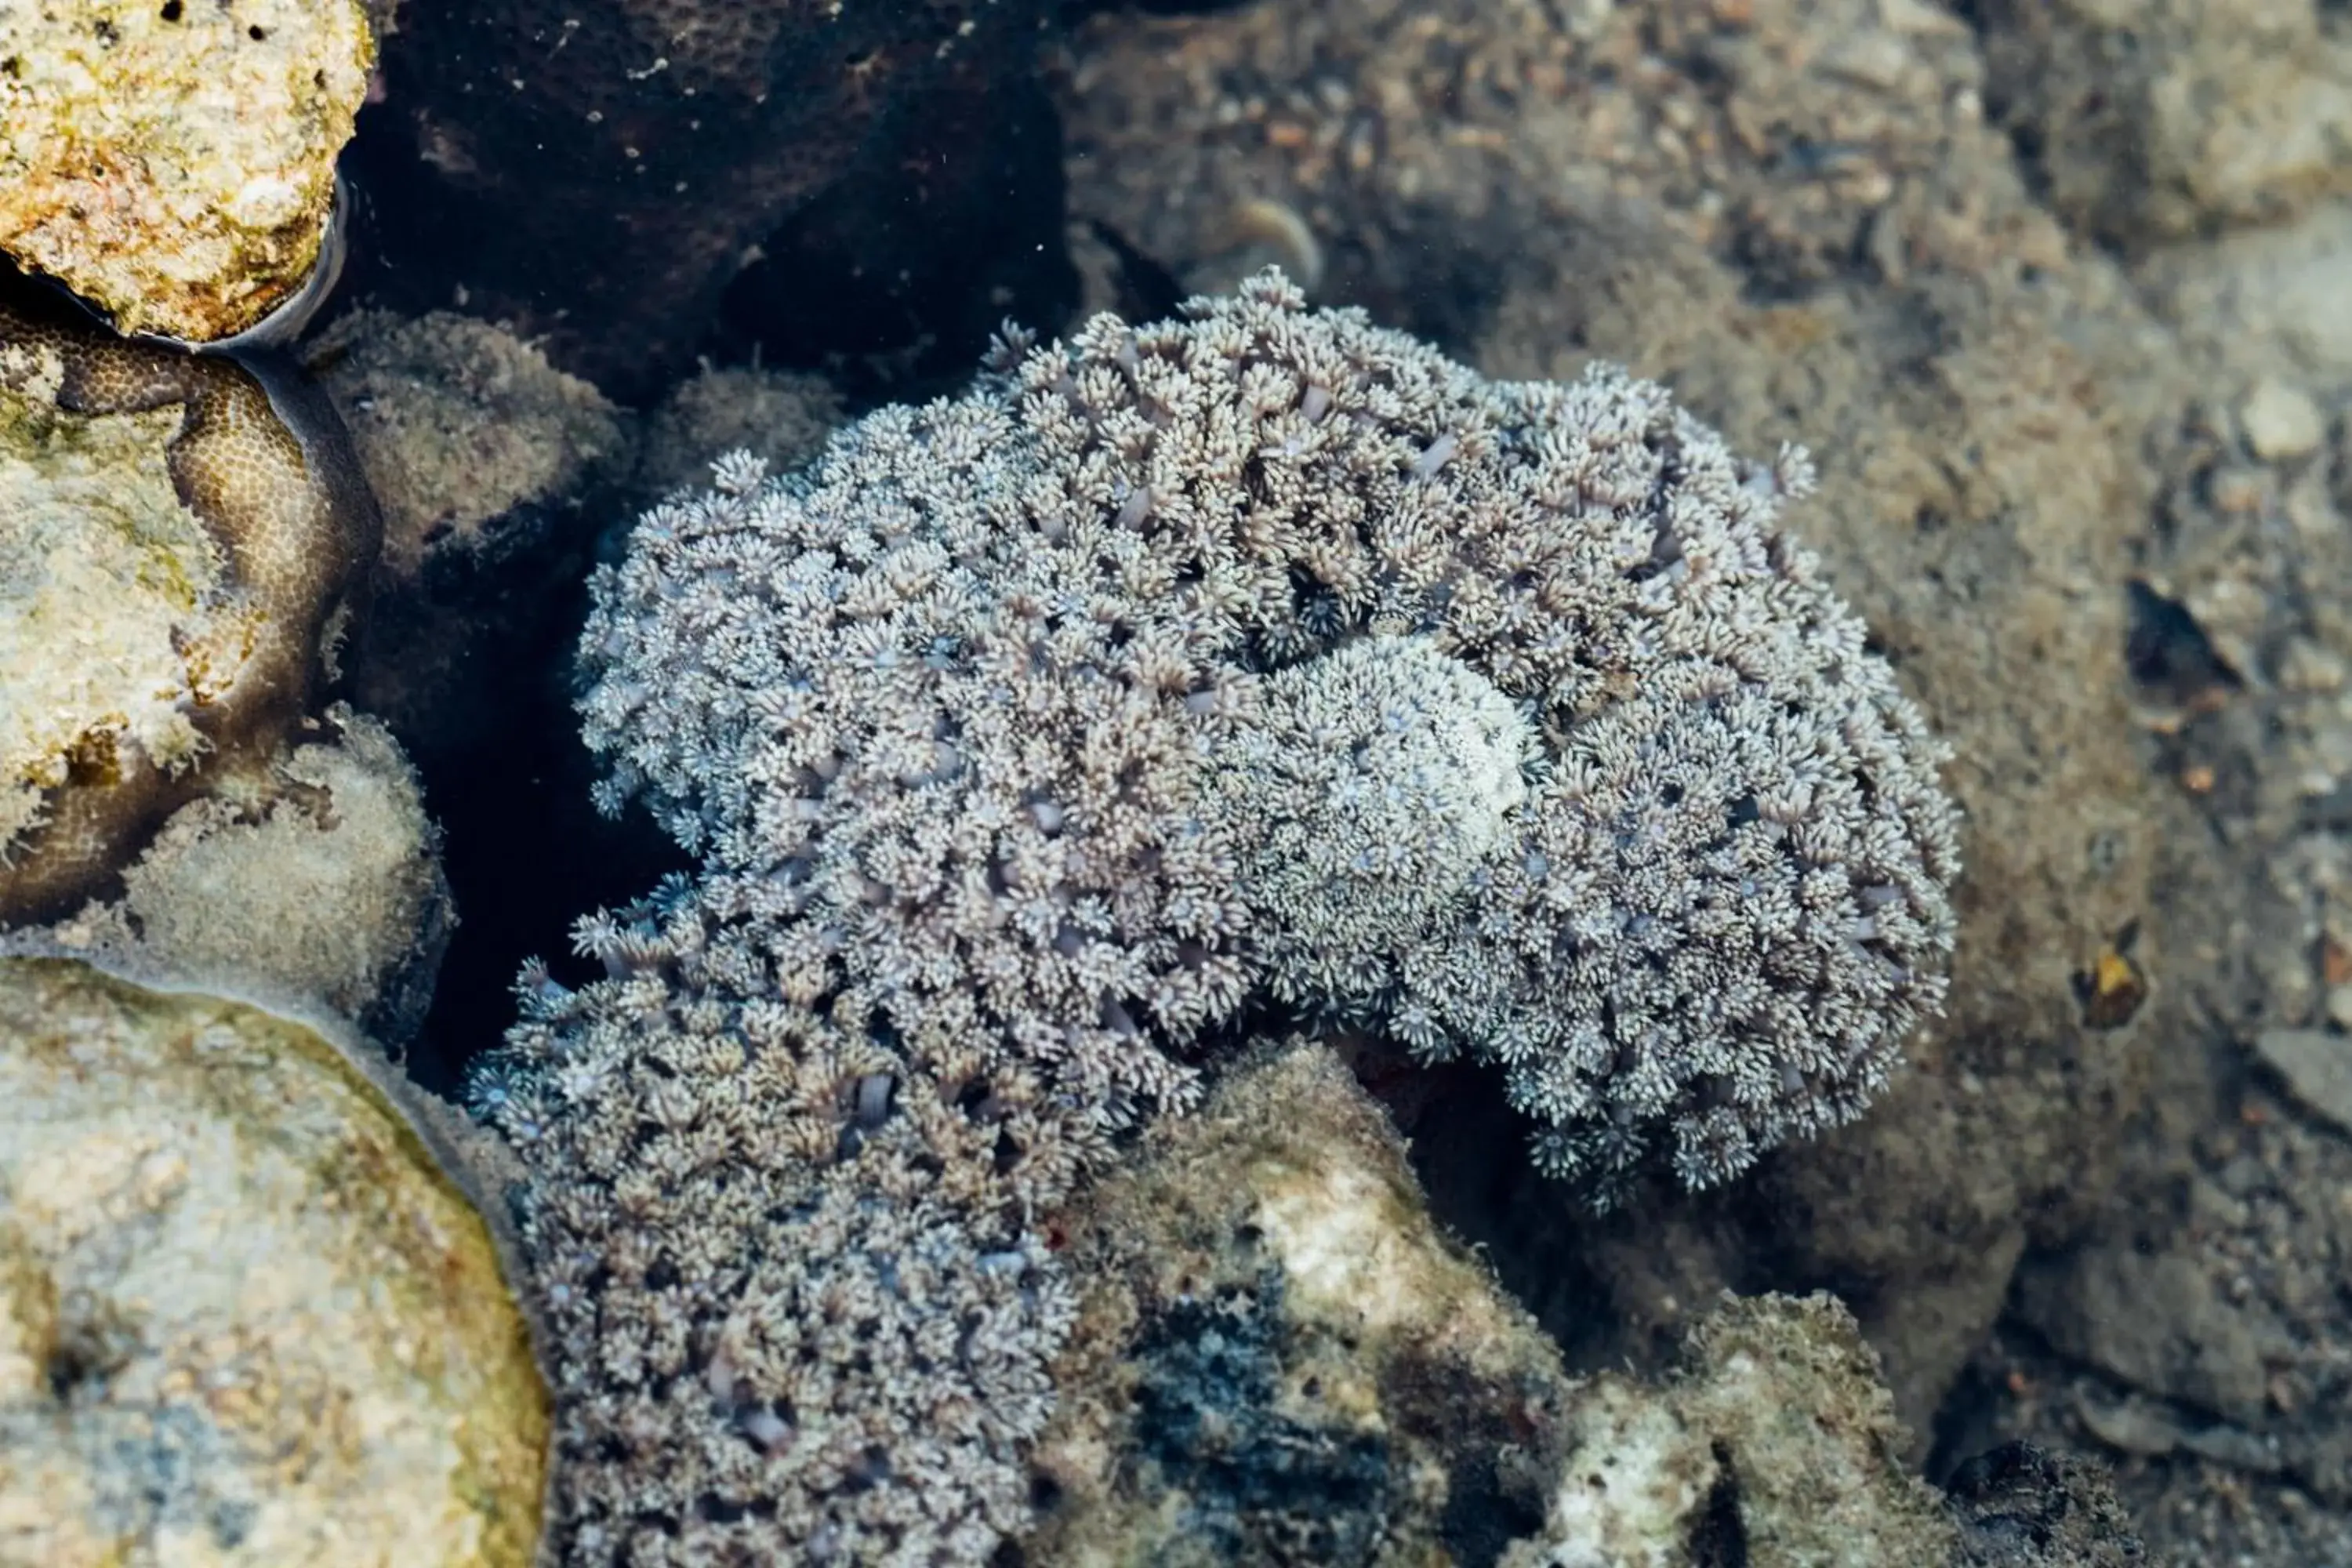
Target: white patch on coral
{"type": "Point", "coordinates": [1334, 1228]}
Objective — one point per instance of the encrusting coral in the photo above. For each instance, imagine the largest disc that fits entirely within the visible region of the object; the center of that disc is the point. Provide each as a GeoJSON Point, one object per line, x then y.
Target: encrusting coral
{"type": "Point", "coordinates": [181, 540]}
{"type": "Point", "coordinates": [1259, 658]}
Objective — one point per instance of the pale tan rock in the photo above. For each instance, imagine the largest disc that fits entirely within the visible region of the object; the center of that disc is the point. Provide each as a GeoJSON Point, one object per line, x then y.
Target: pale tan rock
{"type": "Point", "coordinates": [320, 889]}
{"type": "Point", "coordinates": [2316, 1065]}
{"type": "Point", "coordinates": [172, 161]}
{"type": "Point", "coordinates": [2281, 421]}
{"type": "Point", "coordinates": [1777, 1434]}
{"type": "Point", "coordinates": [245, 1315]}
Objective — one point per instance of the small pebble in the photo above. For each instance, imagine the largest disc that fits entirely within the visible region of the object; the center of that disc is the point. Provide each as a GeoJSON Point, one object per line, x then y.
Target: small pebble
{"type": "Point", "coordinates": [2316, 1065]}
{"type": "Point", "coordinates": [2281, 421]}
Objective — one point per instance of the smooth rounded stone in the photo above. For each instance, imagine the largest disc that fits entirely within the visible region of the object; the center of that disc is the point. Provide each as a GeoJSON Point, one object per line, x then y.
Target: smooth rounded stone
{"type": "Point", "coordinates": [2316, 1065]}
{"type": "Point", "coordinates": [246, 1317]}
{"type": "Point", "coordinates": [2281, 421]}
{"type": "Point", "coordinates": [174, 163]}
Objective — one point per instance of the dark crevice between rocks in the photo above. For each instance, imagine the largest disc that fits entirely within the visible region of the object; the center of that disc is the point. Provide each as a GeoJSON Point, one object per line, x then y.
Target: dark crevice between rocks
{"type": "Point", "coordinates": [1717, 1538]}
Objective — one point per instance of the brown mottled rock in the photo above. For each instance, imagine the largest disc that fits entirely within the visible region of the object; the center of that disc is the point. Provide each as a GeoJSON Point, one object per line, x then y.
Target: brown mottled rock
{"type": "Point", "coordinates": [174, 163]}
{"type": "Point", "coordinates": [1433, 149]}
{"type": "Point", "coordinates": [246, 1317]}
{"type": "Point", "coordinates": [182, 543]}
{"type": "Point", "coordinates": [2157, 120]}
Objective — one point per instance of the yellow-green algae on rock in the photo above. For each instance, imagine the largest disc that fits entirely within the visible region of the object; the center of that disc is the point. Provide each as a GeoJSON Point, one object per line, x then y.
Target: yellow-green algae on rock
{"type": "Point", "coordinates": [173, 162]}
{"type": "Point", "coordinates": [245, 1315]}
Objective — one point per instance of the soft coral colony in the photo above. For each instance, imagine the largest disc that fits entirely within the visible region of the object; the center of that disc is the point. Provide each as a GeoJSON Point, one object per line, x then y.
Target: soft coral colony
{"type": "Point", "coordinates": [1258, 667]}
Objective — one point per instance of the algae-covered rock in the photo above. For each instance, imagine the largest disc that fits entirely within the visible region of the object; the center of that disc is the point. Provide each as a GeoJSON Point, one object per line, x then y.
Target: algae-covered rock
{"type": "Point", "coordinates": [180, 547]}
{"type": "Point", "coordinates": [1777, 1445]}
{"type": "Point", "coordinates": [174, 160]}
{"type": "Point", "coordinates": [1280, 1357]}
{"type": "Point", "coordinates": [246, 1317]}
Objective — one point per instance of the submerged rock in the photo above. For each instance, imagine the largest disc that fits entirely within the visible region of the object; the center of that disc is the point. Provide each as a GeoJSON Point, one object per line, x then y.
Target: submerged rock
{"type": "Point", "coordinates": [2161, 119]}
{"type": "Point", "coordinates": [318, 889]}
{"type": "Point", "coordinates": [173, 163]}
{"type": "Point", "coordinates": [246, 1317]}
{"type": "Point", "coordinates": [490, 464]}
{"type": "Point", "coordinates": [1281, 1358]}
{"type": "Point", "coordinates": [181, 545]}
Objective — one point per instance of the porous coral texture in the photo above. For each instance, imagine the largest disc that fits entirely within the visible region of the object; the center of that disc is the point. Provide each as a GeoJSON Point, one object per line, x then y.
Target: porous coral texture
{"type": "Point", "coordinates": [938, 716]}
{"type": "Point", "coordinates": [179, 543]}
{"type": "Point", "coordinates": [175, 163]}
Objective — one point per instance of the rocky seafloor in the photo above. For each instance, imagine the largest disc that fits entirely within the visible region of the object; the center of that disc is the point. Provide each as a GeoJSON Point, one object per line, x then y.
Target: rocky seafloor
{"type": "Point", "coordinates": [2057, 294]}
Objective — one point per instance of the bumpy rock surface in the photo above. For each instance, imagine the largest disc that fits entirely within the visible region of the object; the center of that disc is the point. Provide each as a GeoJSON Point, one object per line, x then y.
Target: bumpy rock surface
{"type": "Point", "coordinates": [181, 545]}
{"type": "Point", "coordinates": [174, 162]}
{"type": "Point", "coordinates": [1436, 150]}
{"type": "Point", "coordinates": [2157, 119]}
{"type": "Point", "coordinates": [781, 418]}
{"type": "Point", "coordinates": [1279, 1357]}
{"type": "Point", "coordinates": [1776, 1445]}
{"type": "Point", "coordinates": [318, 886]}
{"type": "Point", "coordinates": [245, 1318]}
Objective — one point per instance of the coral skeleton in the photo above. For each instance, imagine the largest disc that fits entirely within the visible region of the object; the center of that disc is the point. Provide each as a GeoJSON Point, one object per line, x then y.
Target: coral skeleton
{"type": "Point", "coordinates": [1259, 661]}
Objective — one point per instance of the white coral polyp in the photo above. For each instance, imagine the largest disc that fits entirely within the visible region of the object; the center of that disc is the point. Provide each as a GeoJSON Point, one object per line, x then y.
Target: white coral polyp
{"type": "Point", "coordinates": [1539, 740]}
{"type": "Point", "coordinates": [1375, 790]}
